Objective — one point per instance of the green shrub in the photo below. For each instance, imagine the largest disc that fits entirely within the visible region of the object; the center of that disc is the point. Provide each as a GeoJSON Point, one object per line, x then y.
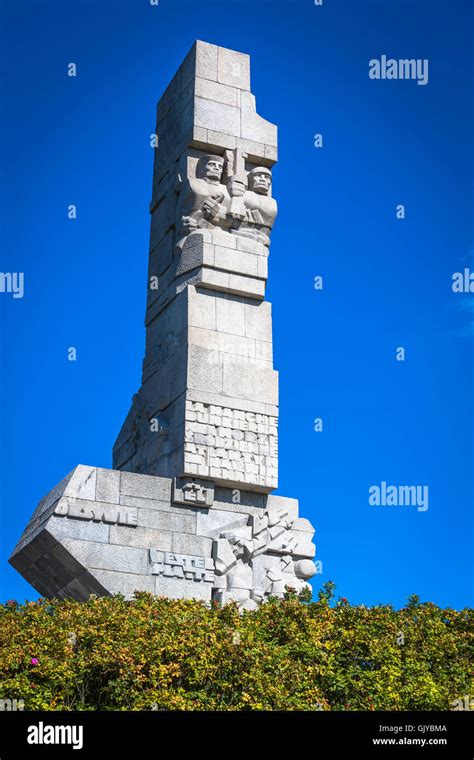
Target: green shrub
{"type": "Point", "coordinates": [291, 654]}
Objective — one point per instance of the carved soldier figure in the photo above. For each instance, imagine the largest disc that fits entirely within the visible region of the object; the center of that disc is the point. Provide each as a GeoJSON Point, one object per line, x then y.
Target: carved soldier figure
{"type": "Point", "coordinates": [204, 200]}
{"type": "Point", "coordinates": [261, 208]}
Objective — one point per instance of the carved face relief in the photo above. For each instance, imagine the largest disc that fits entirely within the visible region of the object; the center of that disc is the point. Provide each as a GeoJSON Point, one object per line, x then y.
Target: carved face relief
{"type": "Point", "coordinates": [211, 168]}
{"type": "Point", "coordinates": [260, 180]}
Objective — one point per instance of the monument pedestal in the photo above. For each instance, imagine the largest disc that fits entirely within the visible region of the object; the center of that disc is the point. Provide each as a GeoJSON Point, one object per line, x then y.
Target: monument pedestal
{"type": "Point", "coordinates": [105, 532]}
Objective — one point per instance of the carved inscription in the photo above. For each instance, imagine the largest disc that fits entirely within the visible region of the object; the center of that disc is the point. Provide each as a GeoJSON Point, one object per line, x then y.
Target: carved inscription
{"type": "Point", "coordinates": [185, 566]}
{"type": "Point", "coordinates": [195, 492]}
{"type": "Point", "coordinates": [99, 513]}
{"type": "Point", "coordinates": [231, 444]}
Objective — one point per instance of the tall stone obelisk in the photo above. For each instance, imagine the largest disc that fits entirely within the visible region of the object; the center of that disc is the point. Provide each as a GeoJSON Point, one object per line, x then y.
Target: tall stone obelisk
{"type": "Point", "coordinates": [187, 510]}
{"type": "Point", "coordinates": [208, 377]}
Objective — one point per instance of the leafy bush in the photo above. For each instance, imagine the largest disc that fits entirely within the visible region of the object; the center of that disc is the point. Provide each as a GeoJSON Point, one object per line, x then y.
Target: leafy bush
{"type": "Point", "coordinates": [291, 654]}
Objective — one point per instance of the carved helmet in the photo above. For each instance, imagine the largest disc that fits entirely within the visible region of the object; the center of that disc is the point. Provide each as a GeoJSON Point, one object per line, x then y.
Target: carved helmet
{"type": "Point", "coordinates": [258, 170]}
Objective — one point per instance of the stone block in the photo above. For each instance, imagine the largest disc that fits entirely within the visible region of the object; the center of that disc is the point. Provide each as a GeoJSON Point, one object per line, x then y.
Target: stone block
{"type": "Point", "coordinates": [239, 501]}
{"type": "Point", "coordinates": [51, 498]}
{"type": "Point", "coordinates": [174, 522]}
{"type": "Point", "coordinates": [34, 533]}
{"type": "Point", "coordinates": [176, 588]}
{"type": "Point", "coordinates": [253, 126]}
{"type": "Point", "coordinates": [214, 279]}
{"type": "Point", "coordinates": [221, 93]}
{"type": "Point", "coordinates": [258, 321]}
{"type": "Point", "coordinates": [81, 588]}
{"type": "Point", "coordinates": [271, 153]}
{"type": "Point", "coordinates": [185, 543]}
{"type": "Point", "coordinates": [205, 60]}
{"type": "Point", "coordinates": [225, 344]}
{"type": "Point", "coordinates": [200, 136]}
{"type": "Point", "coordinates": [202, 308]}
{"type": "Point", "coordinates": [124, 583]}
{"type": "Point", "coordinates": [251, 246]}
{"type": "Point", "coordinates": [82, 483]}
{"type": "Point", "coordinates": [244, 384]}
{"type": "Point", "coordinates": [221, 141]}
{"type": "Point", "coordinates": [246, 286]}
{"type": "Point", "coordinates": [213, 521]}
{"type": "Point", "coordinates": [30, 548]}
{"type": "Point", "coordinates": [192, 256]}
{"type": "Point", "coordinates": [221, 238]}
{"type": "Point", "coordinates": [234, 284]}
{"type": "Point", "coordinates": [145, 486]}
{"type": "Point", "coordinates": [108, 485]}
{"type": "Point", "coordinates": [233, 68]}
{"type": "Point", "coordinates": [236, 261]}
{"type": "Point", "coordinates": [264, 352]}
{"type": "Point", "coordinates": [141, 538]}
{"type": "Point", "coordinates": [255, 150]}
{"type": "Point", "coordinates": [92, 554]}
{"type": "Point", "coordinates": [64, 527]}
{"type": "Point", "coordinates": [169, 382]}
{"type": "Point", "coordinates": [204, 370]}
{"type": "Point", "coordinates": [230, 315]}
{"type": "Point", "coordinates": [217, 116]}
{"type": "Point", "coordinates": [137, 501]}
{"type": "Point", "coordinates": [262, 267]}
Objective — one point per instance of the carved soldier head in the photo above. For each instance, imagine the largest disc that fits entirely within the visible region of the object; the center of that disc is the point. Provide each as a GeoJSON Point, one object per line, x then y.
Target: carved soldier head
{"type": "Point", "coordinates": [260, 180]}
{"type": "Point", "coordinates": [210, 168]}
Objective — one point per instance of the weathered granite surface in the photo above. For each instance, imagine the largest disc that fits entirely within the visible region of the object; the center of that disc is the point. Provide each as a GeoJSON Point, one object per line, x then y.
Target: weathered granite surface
{"type": "Point", "coordinates": [187, 510]}
{"type": "Point", "coordinates": [208, 377]}
{"type": "Point", "coordinates": [105, 531]}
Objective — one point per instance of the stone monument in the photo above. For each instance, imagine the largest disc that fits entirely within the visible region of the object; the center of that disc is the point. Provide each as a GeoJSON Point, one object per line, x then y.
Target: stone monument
{"type": "Point", "coordinates": [188, 510]}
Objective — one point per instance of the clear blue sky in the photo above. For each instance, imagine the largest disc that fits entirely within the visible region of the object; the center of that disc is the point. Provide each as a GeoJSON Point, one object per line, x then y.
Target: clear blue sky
{"type": "Point", "coordinates": [387, 282]}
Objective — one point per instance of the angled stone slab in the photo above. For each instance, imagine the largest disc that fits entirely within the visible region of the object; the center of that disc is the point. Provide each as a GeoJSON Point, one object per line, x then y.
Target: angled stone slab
{"type": "Point", "coordinates": [204, 542]}
{"type": "Point", "coordinates": [76, 545]}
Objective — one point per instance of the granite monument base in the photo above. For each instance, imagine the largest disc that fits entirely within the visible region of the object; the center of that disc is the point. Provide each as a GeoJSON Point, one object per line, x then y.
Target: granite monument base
{"type": "Point", "coordinates": [105, 532]}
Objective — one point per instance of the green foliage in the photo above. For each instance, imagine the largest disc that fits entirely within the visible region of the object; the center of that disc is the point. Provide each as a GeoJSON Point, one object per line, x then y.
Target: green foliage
{"type": "Point", "coordinates": [291, 654]}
